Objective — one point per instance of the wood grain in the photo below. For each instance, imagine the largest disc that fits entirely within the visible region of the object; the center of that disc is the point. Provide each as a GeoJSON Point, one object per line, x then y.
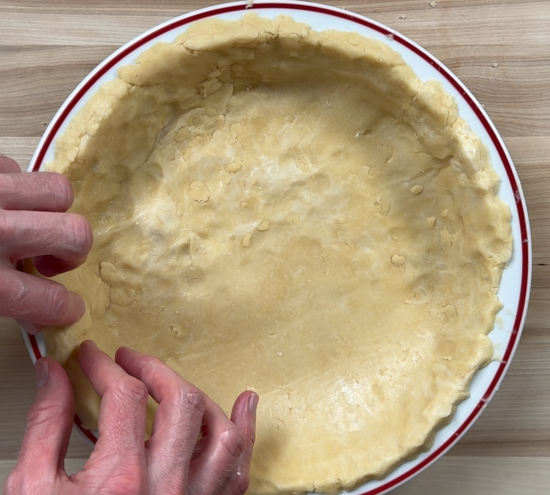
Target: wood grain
{"type": "Point", "coordinates": [499, 49]}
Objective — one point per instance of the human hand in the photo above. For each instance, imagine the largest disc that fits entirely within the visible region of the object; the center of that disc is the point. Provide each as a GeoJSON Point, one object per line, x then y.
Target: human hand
{"type": "Point", "coordinates": [33, 224]}
{"type": "Point", "coordinates": [122, 463]}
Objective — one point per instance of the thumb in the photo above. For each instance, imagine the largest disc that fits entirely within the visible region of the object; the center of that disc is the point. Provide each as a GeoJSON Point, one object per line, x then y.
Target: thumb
{"type": "Point", "coordinates": [49, 424]}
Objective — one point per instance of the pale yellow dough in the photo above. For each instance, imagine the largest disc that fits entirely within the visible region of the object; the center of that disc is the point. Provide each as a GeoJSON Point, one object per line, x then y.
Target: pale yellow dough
{"type": "Point", "coordinates": [295, 213]}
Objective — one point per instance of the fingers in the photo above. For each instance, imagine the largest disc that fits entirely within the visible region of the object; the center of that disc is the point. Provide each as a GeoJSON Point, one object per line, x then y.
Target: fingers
{"type": "Point", "coordinates": [225, 450]}
{"type": "Point", "coordinates": [33, 299]}
{"type": "Point", "coordinates": [244, 417]}
{"type": "Point", "coordinates": [41, 191]}
{"type": "Point", "coordinates": [25, 234]}
{"type": "Point", "coordinates": [50, 266]}
{"type": "Point", "coordinates": [162, 381]}
{"type": "Point", "coordinates": [224, 464]}
{"type": "Point", "coordinates": [58, 243]}
{"type": "Point", "coordinates": [123, 404]}
{"type": "Point", "coordinates": [177, 422]}
{"type": "Point", "coordinates": [8, 166]}
{"type": "Point", "coordinates": [49, 424]}
{"type": "Point", "coordinates": [218, 462]}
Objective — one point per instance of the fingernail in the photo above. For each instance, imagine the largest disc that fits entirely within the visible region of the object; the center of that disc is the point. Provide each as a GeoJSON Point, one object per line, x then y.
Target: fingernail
{"type": "Point", "coordinates": [29, 327]}
{"type": "Point", "coordinates": [253, 403]}
{"type": "Point", "coordinates": [78, 303]}
{"type": "Point", "coordinates": [90, 343]}
{"type": "Point", "coordinates": [41, 372]}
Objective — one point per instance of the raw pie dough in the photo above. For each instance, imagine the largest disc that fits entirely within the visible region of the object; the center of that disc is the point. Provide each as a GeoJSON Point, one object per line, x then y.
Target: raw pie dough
{"type": "Point", "coordinates": [296, 213]}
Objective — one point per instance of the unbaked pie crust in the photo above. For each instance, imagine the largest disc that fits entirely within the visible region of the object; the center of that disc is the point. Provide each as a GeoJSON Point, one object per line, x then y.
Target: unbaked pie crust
{"type": "Point", "coordinates": [295, 213]}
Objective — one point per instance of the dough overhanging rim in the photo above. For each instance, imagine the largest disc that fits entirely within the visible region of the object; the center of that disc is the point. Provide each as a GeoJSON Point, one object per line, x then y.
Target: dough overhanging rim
{"type": "Point", "coordinates": [294, 212]}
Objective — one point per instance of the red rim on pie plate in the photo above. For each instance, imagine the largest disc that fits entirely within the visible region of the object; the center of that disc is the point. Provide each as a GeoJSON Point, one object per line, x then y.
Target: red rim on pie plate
{"type": "Point", "coordinates": [516, 279]}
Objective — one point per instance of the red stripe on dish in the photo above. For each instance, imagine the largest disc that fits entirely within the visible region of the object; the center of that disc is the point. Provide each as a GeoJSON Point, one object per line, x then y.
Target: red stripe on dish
{"type": "Point", "coordinates": [89, 435]}
{"type": "Point", "coordinates": [34, 346]}
{"type": "Point", "coordinates": [446, 73]}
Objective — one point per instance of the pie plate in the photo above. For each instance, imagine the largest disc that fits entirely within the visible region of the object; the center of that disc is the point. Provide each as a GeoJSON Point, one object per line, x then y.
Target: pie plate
{"type": "Point", "coordinates": [516, 279]}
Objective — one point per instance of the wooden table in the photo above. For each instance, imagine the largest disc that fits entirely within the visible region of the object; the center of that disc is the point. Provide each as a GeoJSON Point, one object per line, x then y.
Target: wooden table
{"type": "Point", "coordinates": [499, 49]}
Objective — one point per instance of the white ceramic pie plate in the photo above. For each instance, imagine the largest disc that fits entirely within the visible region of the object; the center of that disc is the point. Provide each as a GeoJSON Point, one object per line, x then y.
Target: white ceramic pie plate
{"type": "Point", "coordinates": [514, 290]}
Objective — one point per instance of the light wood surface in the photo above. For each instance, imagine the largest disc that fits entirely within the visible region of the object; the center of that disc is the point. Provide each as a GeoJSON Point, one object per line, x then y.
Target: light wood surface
{"type": "Point", "coordinates": [499, 49]}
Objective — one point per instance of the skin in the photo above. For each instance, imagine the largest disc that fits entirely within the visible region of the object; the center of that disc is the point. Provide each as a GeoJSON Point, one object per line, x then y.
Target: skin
{"type": "Point", "coordinates": [34, 224]}
{"type": "Point", "coordinates": [194, 448]}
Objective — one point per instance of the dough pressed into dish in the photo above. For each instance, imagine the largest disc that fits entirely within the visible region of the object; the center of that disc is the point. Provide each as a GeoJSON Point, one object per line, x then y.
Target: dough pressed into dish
{"type": "Point", "coordinates": [297, 213]}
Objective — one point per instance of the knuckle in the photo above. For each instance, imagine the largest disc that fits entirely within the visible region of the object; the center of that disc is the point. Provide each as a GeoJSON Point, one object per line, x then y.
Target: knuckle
{"type": "Point", "coordinates": [7, 227]}
{"type": "Point", "coordinates": [78, 233]}
{"type": "Point", "coordinates": [130, 389]}
{"type": "Point", "coordinates": [57, 300]}
{"type": "Point", "coordinates": [14, 295]}
{"type": "Point", "coordinates": [187, 412]}
{"type": "Point", "coordinates": [152, 363]}
{"type": "Point", "coordinates": [194, 399]}
{"type": "Point", "coordinates": [63, 191]}
{"type": "Point", "coordinates": [188, 406]}
{"type": "Point", "coordinates": [182, 394]}
{"type": "Point", "coordinates": [233, 442]}
{"type": "Point", "coordinates": [151, 366]}
{"type": "Point", "coordinates": [250, 435]}
{"type": "Point", "coordinates": [43, 413]}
